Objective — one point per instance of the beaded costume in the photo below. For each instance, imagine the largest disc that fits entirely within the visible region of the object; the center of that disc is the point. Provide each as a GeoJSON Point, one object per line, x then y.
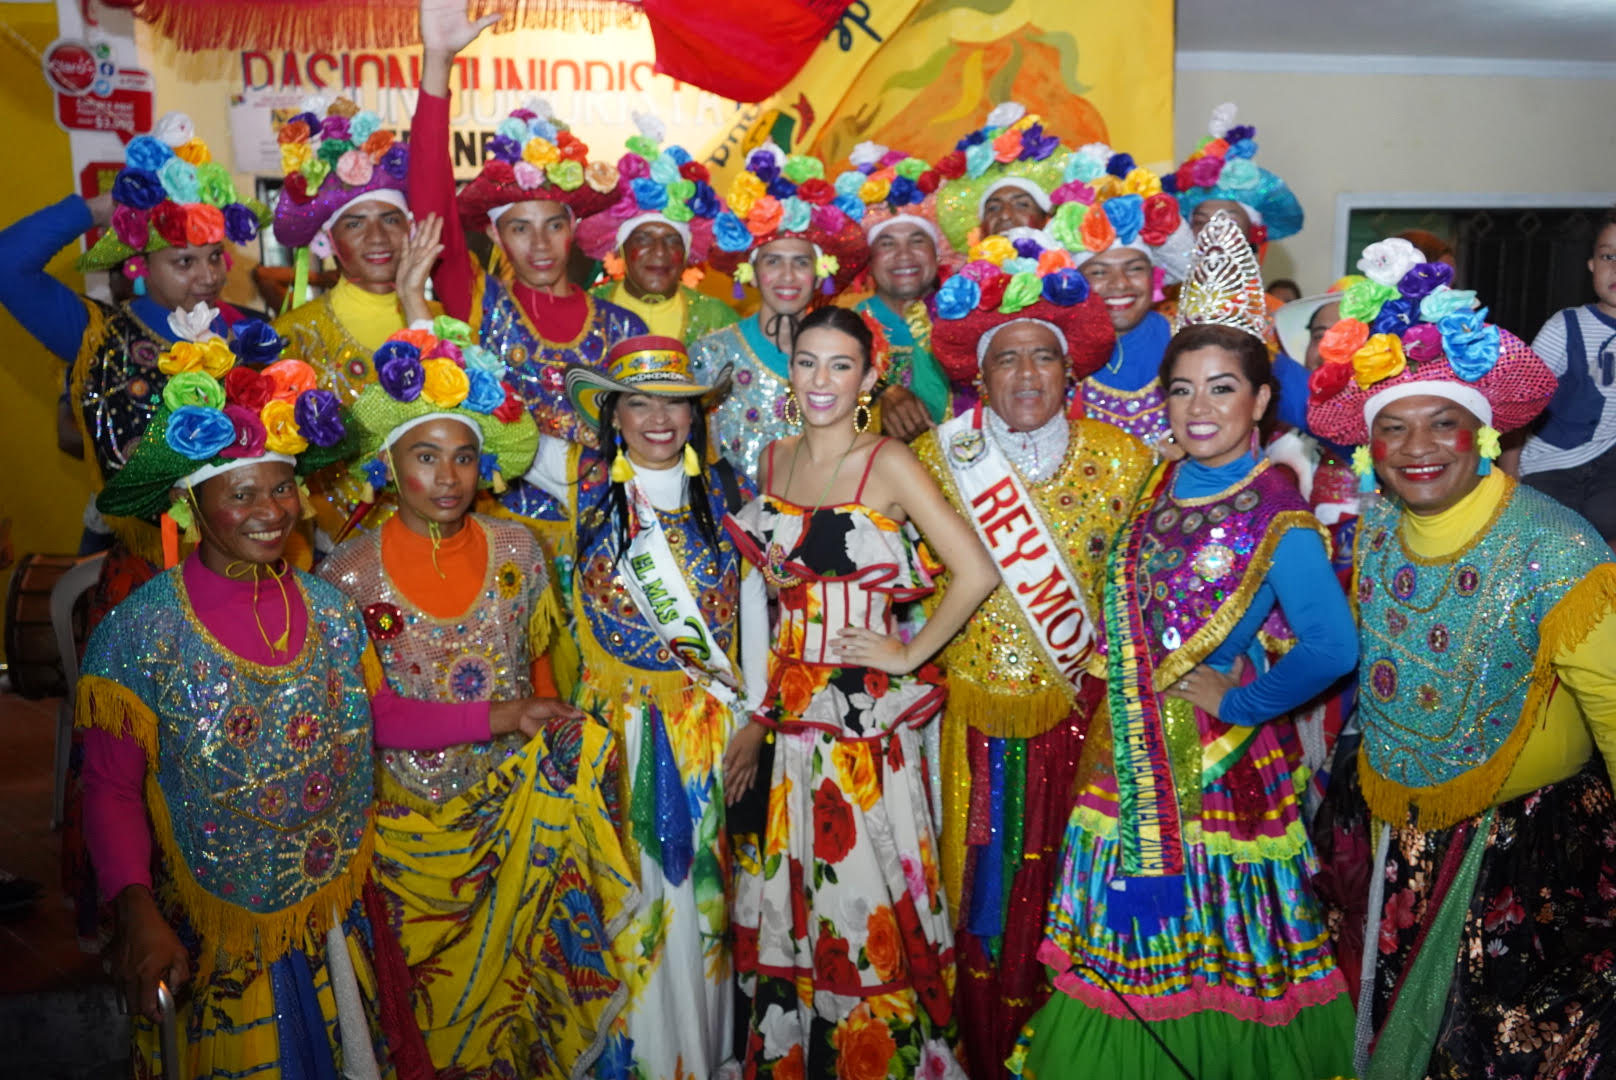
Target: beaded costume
{"type": "Point", "coordinates": [753, 413]}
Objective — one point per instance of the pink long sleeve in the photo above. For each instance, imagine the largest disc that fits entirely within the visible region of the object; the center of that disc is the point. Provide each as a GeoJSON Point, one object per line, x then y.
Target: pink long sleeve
{"type": "Point", "coordinates": [432, 191]}
{"type": "Point", "coordinates": [115, 826]}
{"type": "Point", "coordinates": [403, 723]}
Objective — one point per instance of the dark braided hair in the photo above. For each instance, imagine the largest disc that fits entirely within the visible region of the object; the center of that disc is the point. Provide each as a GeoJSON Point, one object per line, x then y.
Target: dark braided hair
{"type": "Point", "coordinates": [611, 510]}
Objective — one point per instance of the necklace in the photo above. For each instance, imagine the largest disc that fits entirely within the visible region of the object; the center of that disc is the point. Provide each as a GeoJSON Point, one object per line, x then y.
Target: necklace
{"type": "Point", "coordinates": [775, 556]}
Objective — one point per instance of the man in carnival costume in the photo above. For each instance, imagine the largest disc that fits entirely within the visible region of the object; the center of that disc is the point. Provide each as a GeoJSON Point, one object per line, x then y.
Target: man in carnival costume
{"type": "Point", "coordinates": [894, 195]}
{"type": "Point", "coordinates": [1045, 494]}
{"type": "Point", "coordinates": [658, 235]}
{"type": "Point", "coordinates": [999, 177]}
{"type": "Point", "coordinates": [1481, 801]}
{"type": "Point", "coordinates": [164, 227]}
{"type": "Point", "coordinates": [499, 793]}
{"type": "Point", "coordinates": [539, 183]}
{"type": "Point", "coordinates": [788, 232]}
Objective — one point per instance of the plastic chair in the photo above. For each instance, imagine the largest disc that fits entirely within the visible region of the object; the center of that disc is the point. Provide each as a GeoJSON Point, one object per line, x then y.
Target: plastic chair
{"type": "Point", "coordinates": [64, 595]}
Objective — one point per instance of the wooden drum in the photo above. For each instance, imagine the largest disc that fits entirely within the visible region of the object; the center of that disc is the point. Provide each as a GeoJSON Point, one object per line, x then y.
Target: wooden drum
{"type": "Point", "coordinates": [30, 640]}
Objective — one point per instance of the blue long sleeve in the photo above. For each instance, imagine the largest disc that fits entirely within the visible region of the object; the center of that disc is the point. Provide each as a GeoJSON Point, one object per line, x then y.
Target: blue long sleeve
{"type": "Point", "coordinates": [1301, 581]}
{"type": "Point", "coordinates": [1292, 379]}
{"type": "Point", "coordinates": [50, 311]}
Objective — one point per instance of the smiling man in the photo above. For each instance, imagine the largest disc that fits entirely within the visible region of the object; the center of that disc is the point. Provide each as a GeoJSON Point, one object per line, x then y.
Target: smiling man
{"type": "Point", "coordinates": [1488, 706]}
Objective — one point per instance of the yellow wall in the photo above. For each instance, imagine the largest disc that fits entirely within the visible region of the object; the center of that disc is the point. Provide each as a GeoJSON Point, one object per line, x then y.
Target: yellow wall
{"type": "Point", "coordinates": [1327, 134]}
{"type": "Point", "coordinates": [42, 490]}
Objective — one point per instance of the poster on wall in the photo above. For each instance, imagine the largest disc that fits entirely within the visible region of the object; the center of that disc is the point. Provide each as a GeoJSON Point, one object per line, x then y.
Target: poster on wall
{"type": "Point", "coordinates": [94, 93]}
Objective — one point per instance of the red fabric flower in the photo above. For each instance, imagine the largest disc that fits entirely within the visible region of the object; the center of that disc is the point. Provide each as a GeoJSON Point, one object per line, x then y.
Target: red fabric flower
{"type": "Point", "coordinates": [245, 387]}
{"type": "Point", "coordinates": [572, 148]}
{"type": "Point", "coordinates": [951, 165]}
{"type": "Point", "coordinates": [510, 409]}
{"type": "Point", "coordinates": [816, 191]}
{"type": "Point", "coordinates": [296, 186]}
{"type": "Point", "coordinates": [499, 172]}
{"type": "Point", "coordinates": [695, 172]}
{"type": "Point", "coordinates": [170, 220]}
{"type": "Point", "coordinates": [833, 966]}
{"type": "Point", "coordinates": [1161, 218]}
{"type": "Point", "coordinates": [834, 829]}
{"type": "Point", "coordinates": [1328, 380]}
{"type": "Point", "coordinates": [929, 181]}
{"type": "Point", "coordinates": [993, 292]}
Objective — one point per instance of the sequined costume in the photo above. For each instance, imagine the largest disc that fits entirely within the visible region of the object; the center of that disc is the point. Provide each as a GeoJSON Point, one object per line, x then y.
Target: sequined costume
{"type": "Point", "coordinates": [753, 414]}
{"type": "Point", "coordinates": [1124, 392]}
{"type": "Point", "coordinates": [1477, 820]}
{"type": "Point", "coordinates": [508, 840]}
{"type": "Point", "coordinates": [258, 788]}
{"type": "Point", "coordinates": [913, 366]}
{"type": "Point", "coordinates": [689, 314]}
{"type": "Point", "coordinates": [842, 939]}
{"type": "Point", "coordinates": [1225, 952]}
{"type": "Point", "coordinates": [1013, 730]}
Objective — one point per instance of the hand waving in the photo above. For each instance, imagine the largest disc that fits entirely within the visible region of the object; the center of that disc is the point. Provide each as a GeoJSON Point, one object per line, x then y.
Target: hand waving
{"type": "Point", "coordinates": [445, 28]}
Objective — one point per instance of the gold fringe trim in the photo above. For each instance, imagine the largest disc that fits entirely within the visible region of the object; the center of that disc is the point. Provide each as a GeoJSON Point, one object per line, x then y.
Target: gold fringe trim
{"type": "Point", "coordinates": [389, 790]}
{"type": "Point", "coordinates": [89, 346]}
{"type": "Point", "coordinates": [546, 620]}
{"type": "Point", "coordinates": [956, 772]}
{"type": "Point", "coordinates": [1563, 629]}
{"type": "Point", "coordinates": [143, 538]}
{"type": "Point", "coordinates": [1006, 716]}
{"type": "Point", "coordinates": [370, 667]}
{"type": "Point", "coordinates": [114, 708]}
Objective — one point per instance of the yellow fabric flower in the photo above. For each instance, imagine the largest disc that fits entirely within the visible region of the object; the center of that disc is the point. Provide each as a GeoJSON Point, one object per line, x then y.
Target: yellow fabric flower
{"type": "Point", "coordinates": [444, 383]}
{"type": "Point", "coordinates": [1027, 120]}
{"type": "Point", "coordinates": [1141, 182]}
{"type": "Point", "coordinates": [195, 151]}
{"type": "Point", "coordinates": [540, 152]}
{"type": "Point", "coordinates": [995, 249]}
{"type": "Point", "coordinates": [280, 426]}
{"type": "Point", "coordinates": [1107, 187]}
{"type": "Point", "coordinates": [745, 190]}
{"type": "Point", "coordinates": [1380, 358]}
{"type": "Point", "coordinates": [873, 191]}
{"type": "Point", "coordinates": [181, 356]}
{"type": "Point", "coordinates": [294, 155]}
{"type": "Point", "coordinates": [217, 359]}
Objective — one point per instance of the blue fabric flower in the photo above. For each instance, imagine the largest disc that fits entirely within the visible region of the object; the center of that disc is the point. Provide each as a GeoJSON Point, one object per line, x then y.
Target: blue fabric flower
{"type": "Point", "coordinates": [794, 215]}
{"type": "Point", "coordinates": [543, 129]}
{"type": "Point", "coordinates": [975, 138]}
{"type": "Point", "coordinates": [311, 121]}
{"type": "Point", "coordinates": [1066, 287]}
{"type": "Point", "coordinates": [138, 188]}
{"type": "Point", "coordinates": [362, 125]}
{"type": "Point", "coordinates": [649, 194]}
{"type": "Point", "coordinates": [703, 202]}
{"type": "Point", "coordinates": [1084, 166]}
{"type": "Point", "coordinates": [781, 188]}
{"type": "Point", "coordinates": [198, 433]}
{"type": "Point", "coordinates": [1239, 174]}
{"type": "Point", "coordinates": [478, 358]}
{"type": "Point", "coordinates": [1028, 248]}
{"type": "Point", "coordinates": [145, 152]}
{"type": "Point", "coordinates": [1239, 133]}
{"type": "Point", "coordinates": [1395, 317]}
{"type": "Point", "coordinates": [1169, 183]}
{"type": "Point", "coordinates": [486, 393]}
{"type": "Point", "coordinates": [762, 165]}
{"type": "Point", "coordinates": [664, 170]}
{"type": "Point", "coordinates": [396, 161]}
{"type": "Point", "coordinates": [730, 233]}
{"type": "Point", "coordinates": [904, 192]}
{"type": "Point", "coordinates": [1019, 265]}
{"type": "Point", "coordinates": [851, 205]}
{"type": "Point", "coordinates": [680, 155]}
{"type": "Point", "coordinates": [319, 417]}
{"type": "Point", "coordinates": [487, 465]}
{"type": "Point", "coordinates": [977, 160]}
{"type": "Point", "coordinates": [255, 342]}
{"type": "Point", "coordinates": [1120, 165]}
{"type": "Point", "coordinates": [512, 129]}
{"type": "Point", "coordinates": [1472, 344]}
{"type": "Point", "coordinates": [958, 297]}
{"type": "Point", "coordinates": [179, 180]}
{"type": "Point", "coordinates": [504, 148]}
{"type": "Point", "coordinates": [1127, 215]}
{"type": "Point", "coordinates": [1243, 148]}
{"type": "Point", "coordinates": [1424, 279]}
{"type": "Point", "coordinates": [375, 471]}
{"type": "Point", "coordinates": [1443, 301]}
{"type": "Point", "coordinates": [1035, 145]}
{"type": "Point", "coordinates": [849, 182]}
{"type": "Point", "coordinates": [398, 370]}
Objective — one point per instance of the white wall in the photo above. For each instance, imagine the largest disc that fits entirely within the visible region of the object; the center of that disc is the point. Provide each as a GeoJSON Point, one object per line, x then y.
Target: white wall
{"type": "Point", "coordinates": [1331, 133]}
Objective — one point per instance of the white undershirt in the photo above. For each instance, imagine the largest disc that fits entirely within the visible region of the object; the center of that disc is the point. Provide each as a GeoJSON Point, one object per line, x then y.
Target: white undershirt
{"type": "Point", "coordinates": [1035, 454]}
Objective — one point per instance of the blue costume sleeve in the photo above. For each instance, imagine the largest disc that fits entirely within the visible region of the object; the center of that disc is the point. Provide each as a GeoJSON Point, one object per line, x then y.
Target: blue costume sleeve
{"type": "Point", "coordinates": [50, 311]}
{"type": "Point", "coordinates": [1326, 640]}
{"type": "Point", "coordinates": [1292, 379]}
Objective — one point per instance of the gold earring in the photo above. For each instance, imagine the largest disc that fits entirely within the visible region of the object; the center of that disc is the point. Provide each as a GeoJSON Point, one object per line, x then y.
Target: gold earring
{"type": "Point", "coordinates": [861, 415]}
{"type": "Point", "coordinates": [792, 411]}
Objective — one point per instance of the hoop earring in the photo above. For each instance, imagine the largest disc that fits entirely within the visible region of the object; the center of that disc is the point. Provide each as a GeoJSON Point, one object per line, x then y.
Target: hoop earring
{"type": "Point", "coordinates": [792, 411]}
{"type": "Point", "coordinates": [861, 415]}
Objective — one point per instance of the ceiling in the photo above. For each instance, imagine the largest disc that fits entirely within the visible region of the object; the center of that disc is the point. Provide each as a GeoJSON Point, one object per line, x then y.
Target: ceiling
{"type": "Point", "coordinates": [1562, 30]}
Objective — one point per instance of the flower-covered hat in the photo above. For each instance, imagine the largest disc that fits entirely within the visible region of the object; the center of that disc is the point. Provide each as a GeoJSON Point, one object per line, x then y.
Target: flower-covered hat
{"type": "Point", "coordinates": [171, 193]}
{"type": "Point", "coordinates": [647, 364]}
{"type": "Point", "coordinates": [1024, 275]}
{"type": "Point", "coordinates": [1106, 201]}
{"type": "Point", "coordinates": [781, 197]}
{"type": "Point", "coordinates": [218, 414]}
{"type": "Point", "coordinates": [535, 156]}
{"type": "Point", "coordinates": [1291, 320]}
{"type": "Point", "coordinates": [437, 374]}
{"type": "Point", "coordinates": [660, 184]}
{"type": "Point", "coordinates": [332, 156]}
{"type": "Point", "coordinates": [1010, 150]}
{"type": "Point", "coordinates": [1405, 332]}
{"type": "Point", "coordinates": [888, 186]}
{"type": "Point", "coordinates": [1222, 168]}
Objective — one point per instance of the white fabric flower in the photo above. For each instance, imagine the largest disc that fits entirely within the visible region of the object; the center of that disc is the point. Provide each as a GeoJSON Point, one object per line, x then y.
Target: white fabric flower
{"type": "Point", "coordinates": [540, 108]}
{"type": "Point", "coordinates": [193, 325]}
{"type": "Point", "coordinates": [174, 129]}
{"type": "Point", "coordinates": [1222, 119]}
{"type": "Point", "coordinates": [1006, 113]}
{"type": "Point", "coordinates": [781, 1031]}
{"type": "Point", "coordinates": [867, 153]}
{"type": "Point", "coordinates": [651, 126]}
{"type": "Point", "coordinates": [1386, 262]}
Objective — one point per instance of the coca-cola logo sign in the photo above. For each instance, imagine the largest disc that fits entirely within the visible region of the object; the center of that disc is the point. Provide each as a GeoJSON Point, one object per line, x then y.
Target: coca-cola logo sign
{"type": "Point", "coordinates": [70, 67]}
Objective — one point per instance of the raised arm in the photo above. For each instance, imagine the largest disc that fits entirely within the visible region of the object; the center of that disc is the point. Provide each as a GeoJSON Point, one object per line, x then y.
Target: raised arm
{"type": "Point", "coordinates": [50, 311]}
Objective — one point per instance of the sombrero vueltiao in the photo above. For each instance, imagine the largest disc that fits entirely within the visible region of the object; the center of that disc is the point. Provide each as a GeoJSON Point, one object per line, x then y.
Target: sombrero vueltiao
{"type": "Point", "coordinates": [640, 365]}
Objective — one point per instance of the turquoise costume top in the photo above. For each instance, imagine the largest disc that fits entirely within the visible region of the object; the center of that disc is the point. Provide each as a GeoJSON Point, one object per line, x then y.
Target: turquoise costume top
{"type": "Point", "coordinates": [913, 366]}
{"type": "Point", "coordinates": [753, 413]}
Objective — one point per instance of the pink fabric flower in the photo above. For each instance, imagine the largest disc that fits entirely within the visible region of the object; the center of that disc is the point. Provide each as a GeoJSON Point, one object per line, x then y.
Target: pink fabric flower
{"type": "Point", "coordinates": [528, 175]}
{"type": "Point", "coordinates": [1422, 343]}
{"type": "Point", "coordinates": [131, 225]}
{"type": "Point", "coordinates": [354, 168]}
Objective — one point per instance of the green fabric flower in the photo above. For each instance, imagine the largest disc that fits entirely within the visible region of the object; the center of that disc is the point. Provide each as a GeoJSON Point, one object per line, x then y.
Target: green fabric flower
{"type": "Point", "coordinates": [566, 175]}
{"type": "Point", "coordinates": [214, 184]}
{"type": "Point", "coordinates": [331, 151]}
{"type": "Point", "coordinates": [799, 169]}
{"type": "Point", "coordinates": [1067, 225]}
{"type": "Point", "coordinates": [193, 388]}
{"type": "Point", "coordinates": [1023, 291]}
{"type": "Point", "coordinates": [910, 168]}
{"type": "Point", "coordinates": [1362, 301]}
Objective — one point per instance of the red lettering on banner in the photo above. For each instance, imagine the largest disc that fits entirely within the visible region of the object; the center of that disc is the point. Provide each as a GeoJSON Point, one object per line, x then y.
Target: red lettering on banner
{"type": "Point", "coordinates": [1052, 597]}
{"type": "Point", "coordinates": [555, 74]}
{"type": "Point", "coordinates": [415, 71]}
{"type": "Point", "coordinates": [1021, 551]}
{"type": "Point", "coordinates": [1001, 523]}
{"type": "Point", "coordinates": [364, 60]}
{"type": "Point", "coordinates": [316, 78]}
{"type": "Point", "coordinates": [289, 75]}
{"type": "Point", "coordinates": [395, 74]}
{"type": "Point", "coordinates": [634, 73]}
{"type": "Point", "coordinates": [249, 63]}
{"type": "Point", "coordinates": [1003, 494]}
{"type": "Point", "coordinates": [589, 74]}
{"type": "Point", "coordinates": [1071, 618]}
{"type": "Point", "coordinates": [470, 72]}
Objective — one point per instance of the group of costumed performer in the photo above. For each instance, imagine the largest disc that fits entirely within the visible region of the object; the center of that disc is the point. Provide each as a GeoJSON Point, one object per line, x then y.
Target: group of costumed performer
{"type": "Point", "coordinates": [1184, 894]}
{"type": "Point", "coordinates": [1469, 845]}
{"type": "Point", "coordinates": [235, 701]}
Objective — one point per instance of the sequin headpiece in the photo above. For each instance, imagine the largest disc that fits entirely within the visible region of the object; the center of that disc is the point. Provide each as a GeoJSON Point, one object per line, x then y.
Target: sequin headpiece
{"type": "Point", "coordinates": [1405, 332]}
{"type": "Point", "coordinates": [330, 160]}
{"type": "Point", "coordinates": [1225, 285]}
{"type": "Point", "coordinates": [889, 186]}
{"type": "Point", "coordinates": [647, 364]}
{"type": "Point", "coordinates": [1222, 168]}
{"type": "Point", "coordinates": [437, 374]}
{"type": "Point", "coordinates": [660, 184]}
{"type": "Point", "coordinates": [1106, 201]}
{"type": "Point", "coordinates": [171, 193]}
{"type": "Point", "coordinates": [217, 413]}
{"type": "Point", "coordinates": [781, 197]}
{"type": "Point", "coordinates": [535, 156]}
{"type": "Point", "coordinates": [1011, 149]}
{"type": "Point", "coordinates": [1021, 276]}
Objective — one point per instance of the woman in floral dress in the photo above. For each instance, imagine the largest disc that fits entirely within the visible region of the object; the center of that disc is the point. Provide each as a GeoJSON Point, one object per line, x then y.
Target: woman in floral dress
{"type": "Point", "coordinates": [842, 942]}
